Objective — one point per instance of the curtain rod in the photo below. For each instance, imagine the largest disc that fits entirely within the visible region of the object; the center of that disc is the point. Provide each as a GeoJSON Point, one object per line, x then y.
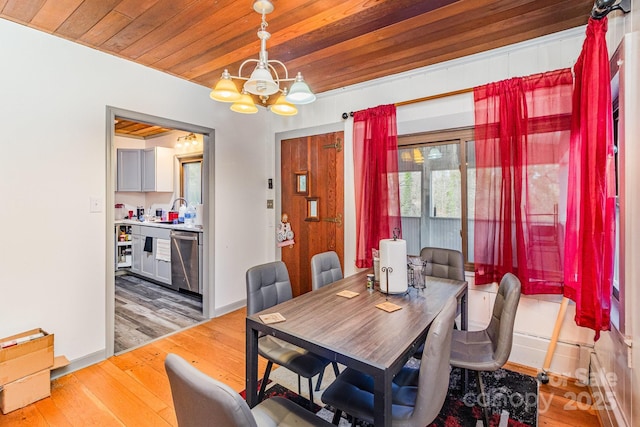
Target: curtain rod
{"type": "Point", "coordinates": [423, 99]}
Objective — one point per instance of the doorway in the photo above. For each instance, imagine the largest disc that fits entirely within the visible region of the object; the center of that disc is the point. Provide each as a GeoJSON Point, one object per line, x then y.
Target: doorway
{"type": "Point", "coordinates": [312, 195]}
{"type": "Point", "coordinates": [206, 136]}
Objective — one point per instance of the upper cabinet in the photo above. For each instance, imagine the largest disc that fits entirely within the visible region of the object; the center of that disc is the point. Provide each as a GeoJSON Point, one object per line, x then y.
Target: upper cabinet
{"type": "Point", "coordinates": [149, 169]}
{"type": "Point", "coordinates": [129, 169]}
{"type": "Point", "coordinates": [157, 169]}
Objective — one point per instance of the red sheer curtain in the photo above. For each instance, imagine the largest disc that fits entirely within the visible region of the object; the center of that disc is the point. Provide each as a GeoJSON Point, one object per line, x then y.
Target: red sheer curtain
{"type": "Point", "coordinates": [375, 153]}
{"type": "Point", "coordinates": [590, 237]}
{"type": "Point", "coordinates": [522, 130]}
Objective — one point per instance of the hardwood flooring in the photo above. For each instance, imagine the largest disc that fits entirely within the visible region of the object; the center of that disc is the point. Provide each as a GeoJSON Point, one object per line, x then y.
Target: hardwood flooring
{"type": "Point", "coordinates": [132, 388]}
{"type": "Point", "coordinates": [145, 311]}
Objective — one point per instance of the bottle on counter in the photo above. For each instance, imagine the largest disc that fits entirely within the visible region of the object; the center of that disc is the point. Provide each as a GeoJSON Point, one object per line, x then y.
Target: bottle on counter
{"type": "Point", "coordinates": [189, 216]}
{"type": "Point", "coordinates": [181, 212]}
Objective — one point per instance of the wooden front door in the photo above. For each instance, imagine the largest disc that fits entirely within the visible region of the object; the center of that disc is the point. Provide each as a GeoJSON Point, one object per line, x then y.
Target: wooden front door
{"type": "Point", "coordinates": [312, 173]}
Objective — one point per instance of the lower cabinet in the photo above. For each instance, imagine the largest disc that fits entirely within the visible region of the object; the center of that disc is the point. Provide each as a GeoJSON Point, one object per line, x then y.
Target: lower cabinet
{"type": "Point", "coordinates": [149, 257]}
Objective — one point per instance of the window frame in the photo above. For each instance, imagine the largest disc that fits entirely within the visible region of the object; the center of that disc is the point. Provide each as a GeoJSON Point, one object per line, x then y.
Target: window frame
{"type": "Point", "coordinates": [461, 136]}
{"type": "Point", "coordinates": [189, 159]}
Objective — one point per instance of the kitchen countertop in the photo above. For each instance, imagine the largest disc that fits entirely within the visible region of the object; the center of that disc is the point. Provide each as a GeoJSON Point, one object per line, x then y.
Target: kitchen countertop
{"type": "Point", "coordinates": [182, 227]}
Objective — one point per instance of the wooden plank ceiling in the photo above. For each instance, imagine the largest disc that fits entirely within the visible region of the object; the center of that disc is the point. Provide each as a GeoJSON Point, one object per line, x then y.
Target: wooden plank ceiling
{"type": "Point", "coordinates": [334, 43]}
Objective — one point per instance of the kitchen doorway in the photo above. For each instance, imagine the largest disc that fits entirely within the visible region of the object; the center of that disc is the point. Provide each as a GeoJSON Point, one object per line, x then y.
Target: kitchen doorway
{"type": "Point", "coordinates": [147, 123]}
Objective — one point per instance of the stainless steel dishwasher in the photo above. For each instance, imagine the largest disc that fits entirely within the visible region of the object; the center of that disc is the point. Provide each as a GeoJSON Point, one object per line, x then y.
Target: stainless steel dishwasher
{"type": "Point", "coordinates": [185, 268]}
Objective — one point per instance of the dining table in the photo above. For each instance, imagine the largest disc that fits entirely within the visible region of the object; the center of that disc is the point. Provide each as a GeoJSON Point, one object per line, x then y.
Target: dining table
{"type": "Point", "coordinates": [364, 329]}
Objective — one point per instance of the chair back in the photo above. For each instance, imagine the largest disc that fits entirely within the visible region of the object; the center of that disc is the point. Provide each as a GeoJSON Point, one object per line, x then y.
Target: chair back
{"type": "Point", "coordinates": [444, 263]}
{"type": "Point", "coordinates": [267, 285]}
{"type": "Point", "coordinates": [325, 269]}
{"type": "Point", "coordinates": [433, 380]}
{"type": "Point", "coordinates": [199, 400]}
{"type": "Point", "coordinates": [500, 329]}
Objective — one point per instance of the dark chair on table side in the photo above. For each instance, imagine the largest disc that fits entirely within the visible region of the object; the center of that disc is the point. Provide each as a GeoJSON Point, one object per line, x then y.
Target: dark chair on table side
{"type": "Point", "coordinates": [418, 394]}
{"type": "Point", "coordinates": [489, 349]}
{"type": "Point", "coordinates": [200, 400]}
{"type": "Point", "coordinates": [443, 263]}
{"type": "Point", "coordinates": [269, 285]}
{"type": "Point", "coordinates": [325, 269]}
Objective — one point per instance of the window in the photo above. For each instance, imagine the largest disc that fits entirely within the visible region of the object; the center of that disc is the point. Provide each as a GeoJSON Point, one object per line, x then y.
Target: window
{"type": "Point", "coordinates": [410, 193]}
{"type": "Point", "coordinates": [434, 200]}
{"type": "Point", "coordinates": [191, 179]}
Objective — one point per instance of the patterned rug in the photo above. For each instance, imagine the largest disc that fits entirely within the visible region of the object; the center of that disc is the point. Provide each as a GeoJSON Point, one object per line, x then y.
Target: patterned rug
{"type": "Point", "coordinates": [508, 391]}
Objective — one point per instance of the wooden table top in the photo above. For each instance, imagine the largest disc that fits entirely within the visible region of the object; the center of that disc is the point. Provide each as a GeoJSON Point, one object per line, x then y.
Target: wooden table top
{"type": "Point", "coordinates": [353, 329]}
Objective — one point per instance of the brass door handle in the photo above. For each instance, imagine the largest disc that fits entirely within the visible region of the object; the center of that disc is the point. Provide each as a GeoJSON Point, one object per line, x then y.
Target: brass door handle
{"type": "Point", "coordinates": [337, 220]}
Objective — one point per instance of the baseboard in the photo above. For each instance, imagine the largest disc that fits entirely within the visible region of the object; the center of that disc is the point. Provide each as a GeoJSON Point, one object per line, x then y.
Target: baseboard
{"type": "Point", "coordinates": [569, 360]}
{"type": "Point", "coordinates": [83, 362]}
{"type": "Point", "coordinates": [605, 402]}
{"type": "Point", "coordinates": [221, 311]}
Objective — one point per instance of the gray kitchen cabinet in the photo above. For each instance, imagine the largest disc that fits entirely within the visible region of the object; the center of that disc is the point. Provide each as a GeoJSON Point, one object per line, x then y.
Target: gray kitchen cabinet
{"type": "Point", "coordinates": [136, 249]}
{"type": "Point", "coordinates": [157, 169]}
{"type": "Point", "coordinates": [149, 169]}
{"type": "Point", "coordinates": [150, 266]}
{"type": "Point", "coordinates": [129, 169]}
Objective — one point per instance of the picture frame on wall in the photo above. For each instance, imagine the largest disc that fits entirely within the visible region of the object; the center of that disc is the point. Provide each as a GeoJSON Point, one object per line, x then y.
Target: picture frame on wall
{"type": "Point", "coordinates": [301, 182]}
{"type": "Point", "coordinates": [313, 209]}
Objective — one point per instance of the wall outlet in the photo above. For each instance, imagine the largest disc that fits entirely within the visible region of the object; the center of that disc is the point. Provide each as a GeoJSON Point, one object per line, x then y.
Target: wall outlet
{"type": "Point", "coordinates": [269, 204]}
{"type": "Point", "coordinates": [95, 205]}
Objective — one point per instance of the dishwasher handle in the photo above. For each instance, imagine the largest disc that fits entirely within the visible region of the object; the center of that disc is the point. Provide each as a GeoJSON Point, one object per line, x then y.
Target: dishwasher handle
{"type": "Point", "coordinates": [184, 236]}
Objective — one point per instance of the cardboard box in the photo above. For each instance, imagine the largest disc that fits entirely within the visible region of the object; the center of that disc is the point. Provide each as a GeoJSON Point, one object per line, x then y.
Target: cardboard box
{"type": "Point", "coordinates": [22, 392]}
{"type": "Point", "coordinates": [26, 358]}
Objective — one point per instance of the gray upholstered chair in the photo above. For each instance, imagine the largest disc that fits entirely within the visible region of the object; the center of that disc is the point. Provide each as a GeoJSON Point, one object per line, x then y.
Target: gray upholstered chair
{"type": "Point", "coordinates": [445, 263]}
{"type": "Point", "coordinates": [325, 269]}
{"type": "Point", "coordinates": [418, 394]}
{"type": "Point", "coordinates": [200, 400]}
{"type": "Point", "coordinates": [268, 285]}
{"type": "Point", "coordinates": [489, 349]}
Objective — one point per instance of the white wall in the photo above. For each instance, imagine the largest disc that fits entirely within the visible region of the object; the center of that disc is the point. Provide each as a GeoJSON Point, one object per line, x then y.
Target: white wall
{"type": "Point", "coordinates": [53, 98]}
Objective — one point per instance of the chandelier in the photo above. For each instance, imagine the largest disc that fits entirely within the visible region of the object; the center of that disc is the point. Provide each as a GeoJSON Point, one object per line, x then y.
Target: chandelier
{"type": "Point", "coordinates": [264, 81]}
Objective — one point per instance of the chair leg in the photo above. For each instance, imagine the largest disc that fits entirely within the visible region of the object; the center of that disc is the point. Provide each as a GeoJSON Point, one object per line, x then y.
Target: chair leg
{"type": "Point", "coordinates": [265, 379]}
{"type": "Point", "coordinates": [299, 389]}
{"type": "Point", "coordinates": [310, 395]}
{"type": "Point", "coordinates": [336, 417]}
{"type": "Point", "coordinates": [483, 400]}
{"type": "Point", "coordinates": [336, 371]}
{"type": "Point", "coordinates": [319, 382]}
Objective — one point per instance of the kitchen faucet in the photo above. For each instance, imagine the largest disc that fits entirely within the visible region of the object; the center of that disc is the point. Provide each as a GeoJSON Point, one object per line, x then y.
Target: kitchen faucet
{"type": "Point", "coordinates": [173, 205]}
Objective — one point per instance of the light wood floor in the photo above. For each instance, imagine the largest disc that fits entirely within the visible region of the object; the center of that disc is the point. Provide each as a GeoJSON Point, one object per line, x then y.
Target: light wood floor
{"type": "Point", "coordinates": [132, 389]}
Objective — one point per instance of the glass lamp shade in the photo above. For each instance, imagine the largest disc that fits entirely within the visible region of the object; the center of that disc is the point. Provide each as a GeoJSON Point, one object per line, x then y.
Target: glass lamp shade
{"type": "Point", "coordinates": [261, 82]}
{"type": "Point", "coordinates": [225, 90]}
{"type": "Point", "coordinates": [245, 105]}
{"type": "Point", "coordinates": [300, 93]}
{"type": "Point", "coordinates": [283, 108]}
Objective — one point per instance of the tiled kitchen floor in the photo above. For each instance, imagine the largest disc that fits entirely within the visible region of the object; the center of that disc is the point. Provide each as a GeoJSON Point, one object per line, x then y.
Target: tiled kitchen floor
{"type": "Point", "coordinates": [145, 311]}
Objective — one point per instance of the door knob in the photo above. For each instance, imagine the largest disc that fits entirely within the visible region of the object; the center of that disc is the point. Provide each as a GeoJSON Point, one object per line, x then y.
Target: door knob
{"type": "Point", "coordinates": [337, 220]}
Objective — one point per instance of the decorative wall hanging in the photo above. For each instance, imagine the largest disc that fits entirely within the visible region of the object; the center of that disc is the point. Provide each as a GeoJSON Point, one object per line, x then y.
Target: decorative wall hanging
{"type": "Point", "coordinates": [285, 234]}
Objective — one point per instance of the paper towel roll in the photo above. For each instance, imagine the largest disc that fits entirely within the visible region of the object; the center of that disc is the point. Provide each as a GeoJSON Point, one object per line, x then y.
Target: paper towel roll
{"type": "Point", "coordinates": [393, 253]}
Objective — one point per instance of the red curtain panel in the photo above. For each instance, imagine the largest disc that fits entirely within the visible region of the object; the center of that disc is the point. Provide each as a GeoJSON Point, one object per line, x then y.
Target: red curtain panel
{"type": "Point", "coordinates": [375, 154]}
{"type": "Point", "coordinates": [522, 133]}
{"type": "Point", "coordinates": [590, 236]}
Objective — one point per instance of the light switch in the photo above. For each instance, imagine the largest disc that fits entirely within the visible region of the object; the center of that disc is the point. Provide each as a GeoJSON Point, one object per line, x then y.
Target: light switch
{"type": "Point", "coordinates": [95, 205]}
{"type": "Point", "coordinates": [269, 204]}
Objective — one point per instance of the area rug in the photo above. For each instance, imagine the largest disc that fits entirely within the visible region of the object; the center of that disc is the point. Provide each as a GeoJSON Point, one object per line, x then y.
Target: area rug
{"type": "Point", "coordinates": [507, 391]}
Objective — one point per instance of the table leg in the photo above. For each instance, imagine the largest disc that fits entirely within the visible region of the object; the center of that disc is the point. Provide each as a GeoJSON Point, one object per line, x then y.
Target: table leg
{"type": "Point", "coordinates": [382, 399]}
{"type": "Point", "coordinates": [464, 310]}
{"type": "Point", "coordinates": [252, 367]}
